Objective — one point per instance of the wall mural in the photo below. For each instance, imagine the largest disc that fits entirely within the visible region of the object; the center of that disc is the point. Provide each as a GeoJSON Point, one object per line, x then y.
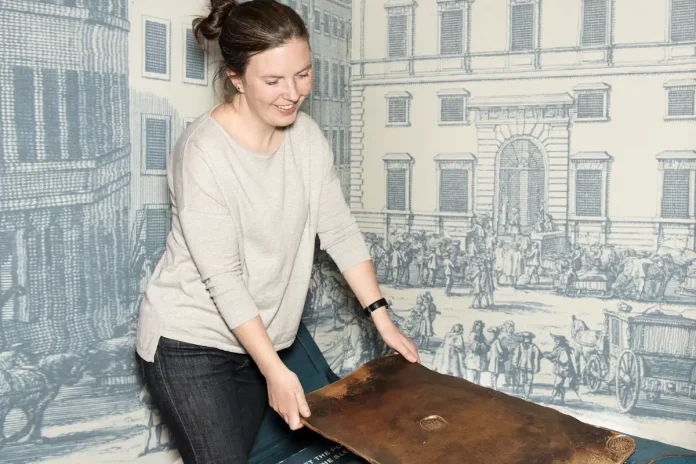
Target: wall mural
{"type": "Point", "coordinates": [520, 281]}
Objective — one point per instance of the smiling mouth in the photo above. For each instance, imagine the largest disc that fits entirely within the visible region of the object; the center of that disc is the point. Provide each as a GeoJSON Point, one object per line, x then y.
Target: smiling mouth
{"type": "Point", "coordinates": [285, 107]}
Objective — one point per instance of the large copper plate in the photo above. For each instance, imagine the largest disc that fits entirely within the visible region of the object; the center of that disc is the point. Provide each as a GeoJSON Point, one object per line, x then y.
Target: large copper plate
{"type": "Point", "coordinates": [390, 411]}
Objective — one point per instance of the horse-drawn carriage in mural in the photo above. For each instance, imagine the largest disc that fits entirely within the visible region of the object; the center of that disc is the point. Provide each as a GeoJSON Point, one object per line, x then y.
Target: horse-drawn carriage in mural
{"type": "Point", "coordinates": [652, 352]}
{"type": "Point", "coordinates": [619, 272]}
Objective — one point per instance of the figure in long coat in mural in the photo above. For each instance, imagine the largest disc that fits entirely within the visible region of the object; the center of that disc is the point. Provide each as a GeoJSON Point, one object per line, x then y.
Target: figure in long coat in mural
{"type": "Point", "coordinates": [563, 368]}
{"type": "Point", "coordinates": [477, 353]}
{"type": "Point", "coordinates": [496, 357]}
{"type": "Point", "coordinates": [514, 264]}
{"type": "Point", "coordinates": [509, 341]}
{"type": "Point", "coordinates": [450, 357]}
{"type": "Point", "coordinates": [513, 222]}
{"type": "Point", "coordinates": [527, 360]}
{"type": "Point", "coordinates": [421, 322]}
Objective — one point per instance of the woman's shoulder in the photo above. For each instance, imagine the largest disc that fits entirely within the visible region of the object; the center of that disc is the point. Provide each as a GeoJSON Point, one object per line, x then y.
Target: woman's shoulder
{"type": "Point", "coordinates": [203, 136]}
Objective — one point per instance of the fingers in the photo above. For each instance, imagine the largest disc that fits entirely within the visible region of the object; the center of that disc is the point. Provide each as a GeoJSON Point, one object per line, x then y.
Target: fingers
{"type": "Point", "coordinates": [294, 419]}
{"type": "Point", "coordinates": [302, 404]}
{"type": "Point", "coordinates": [409, 350]}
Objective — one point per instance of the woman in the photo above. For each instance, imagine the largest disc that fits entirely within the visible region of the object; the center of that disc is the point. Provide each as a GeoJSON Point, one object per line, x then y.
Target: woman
{"type": "Point", "coordinates": [251, 186]}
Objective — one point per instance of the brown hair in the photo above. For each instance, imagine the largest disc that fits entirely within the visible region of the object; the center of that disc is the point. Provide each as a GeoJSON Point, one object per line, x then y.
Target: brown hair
{"type": "Point", "coordinates": [245, 29]}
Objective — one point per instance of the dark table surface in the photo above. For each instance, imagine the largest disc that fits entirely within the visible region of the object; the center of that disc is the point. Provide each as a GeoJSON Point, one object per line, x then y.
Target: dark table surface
{"type": "Point", "coordinates": [321, 451]}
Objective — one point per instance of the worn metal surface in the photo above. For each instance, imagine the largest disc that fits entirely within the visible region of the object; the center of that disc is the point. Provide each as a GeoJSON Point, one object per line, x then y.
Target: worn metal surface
{"type": "Point", "coordinates": [390, 411]}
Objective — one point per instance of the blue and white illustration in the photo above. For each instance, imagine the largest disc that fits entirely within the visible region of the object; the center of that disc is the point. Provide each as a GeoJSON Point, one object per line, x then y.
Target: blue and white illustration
{"type": "Point", "coordinates": [524, 173]}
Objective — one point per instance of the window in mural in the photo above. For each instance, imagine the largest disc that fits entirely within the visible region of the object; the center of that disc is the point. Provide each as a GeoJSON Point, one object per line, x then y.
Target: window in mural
{"type": "Point", "coordinates": [452, 32]}
{"type": "Point", "coordinates": [396, 189]}
{"type": "Point", "coordinates": [454, 190]}
{"type": "Point", "coordinates": [317, 20]}
{"type": "Point", "coordinates": [398, 40]}
{"type": "Point", "coordinates": [342, 84]}
{"type": "Point", "coordinates": [156, 53]}
{"type": "Point", "coordinates": [680, 101]}
{"type": "Point", "coordinates": [157, 225]}
{"type": "Point", "coordinates": [398, 108]}
{"type": "Point", "coordinates": [316, 85]}
{"type": "Point", "coordinates": [342, 144]}
{"type": "Point", "coordinates": [683, 20]}
{"type": "Point", "coordinates": [334, 80]}
{"type": "Point", "coordinates": [72, 114]}
{"type": "Point", "coordinates": [326, 22]}
{"type": "Point", "coordinates": [335, 146]}
{"type": "Point", "coordinates": [195, 67]}
{"type": "Point", "coordinates": [51, 113]}
{"type": "Point", "coordinates": [25, 112]}
{"type": "Point", "coordinates": [588, 192]}
{"type": "Point", "coordinates": [522, 27]}
{"type": "Point", "coordinates": [675, 193]}
{"type": "Point", "coordinates": [156, 142]}
{"type": "Point", "coordinates": [8, 285]}
{"type": "Point", "coordinates": [452, 108]}
{"type": "Point", "coordinates": [592, 101]}
{"type": "Point", "coordinates": [594, 23]}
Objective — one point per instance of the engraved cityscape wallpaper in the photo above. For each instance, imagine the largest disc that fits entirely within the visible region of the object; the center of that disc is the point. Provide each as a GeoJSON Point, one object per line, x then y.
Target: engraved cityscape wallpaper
{"type": "Point", "coordinates": [523, 171]}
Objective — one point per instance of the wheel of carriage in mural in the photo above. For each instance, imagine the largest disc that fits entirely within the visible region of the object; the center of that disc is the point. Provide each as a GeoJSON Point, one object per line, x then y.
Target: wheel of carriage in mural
{"type": "Point", "coordinates": [628, 378]}
{"type": "Point", "coordinates": [595, 372]}
{"type": "Point", "coordinates": [521, 186]}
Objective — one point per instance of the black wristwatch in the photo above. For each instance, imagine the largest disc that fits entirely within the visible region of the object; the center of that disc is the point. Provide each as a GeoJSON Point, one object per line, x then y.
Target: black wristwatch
{"type": "Point", "coordinates": [375, 306]}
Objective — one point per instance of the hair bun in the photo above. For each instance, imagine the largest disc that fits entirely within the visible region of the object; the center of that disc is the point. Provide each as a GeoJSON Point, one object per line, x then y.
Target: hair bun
{"type": "Point", "coordinates": [209, 27]}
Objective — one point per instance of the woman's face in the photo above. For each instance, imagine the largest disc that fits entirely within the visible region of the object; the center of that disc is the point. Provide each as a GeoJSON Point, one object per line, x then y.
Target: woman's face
{"type": "Point", "coordinates": [277, 81]}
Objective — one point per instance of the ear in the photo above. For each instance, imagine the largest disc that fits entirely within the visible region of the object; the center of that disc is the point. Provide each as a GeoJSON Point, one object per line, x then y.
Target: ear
{"type": "Point", "coordinates": [236, 81]}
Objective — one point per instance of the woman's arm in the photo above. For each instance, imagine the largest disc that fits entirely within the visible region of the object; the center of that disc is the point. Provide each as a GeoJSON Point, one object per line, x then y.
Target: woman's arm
{"type": "Point", "coordinates": [210, 234]}
{"type": "Point", "coordinates": [285, 393]}
{"type": "Point", "coordinates": [341, 237]}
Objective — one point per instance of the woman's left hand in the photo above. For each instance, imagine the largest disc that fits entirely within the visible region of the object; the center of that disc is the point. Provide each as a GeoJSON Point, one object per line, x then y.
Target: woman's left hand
{"type": "Point", "coordinates": [399, 342]}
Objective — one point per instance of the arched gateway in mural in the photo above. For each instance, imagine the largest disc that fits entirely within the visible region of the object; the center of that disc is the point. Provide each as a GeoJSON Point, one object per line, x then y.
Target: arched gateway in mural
{"type": "Point", "coordinates": [520, 186]}
{"type": "Point", "coordinates": [523, 160]}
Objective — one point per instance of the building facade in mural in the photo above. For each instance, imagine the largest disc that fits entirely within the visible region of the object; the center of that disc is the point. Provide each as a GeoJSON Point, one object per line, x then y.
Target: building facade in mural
{"type": "Point", "coordinates": [86, 129]}
{"type": "Point", "coordinates": [64, 205]}
{"type": "Point", "coordinates": [524, 175]}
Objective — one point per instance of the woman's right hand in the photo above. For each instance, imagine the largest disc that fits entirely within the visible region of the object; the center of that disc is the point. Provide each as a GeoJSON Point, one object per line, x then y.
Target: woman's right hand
{"type": "Point", "coordinates": [286, 396]}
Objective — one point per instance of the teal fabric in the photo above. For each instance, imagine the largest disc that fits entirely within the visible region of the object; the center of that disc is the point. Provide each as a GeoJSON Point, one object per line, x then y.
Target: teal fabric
{"type": "Point", "coordinates": [647, 451]}
{"type": "Point", "coordinates": [275, 441]}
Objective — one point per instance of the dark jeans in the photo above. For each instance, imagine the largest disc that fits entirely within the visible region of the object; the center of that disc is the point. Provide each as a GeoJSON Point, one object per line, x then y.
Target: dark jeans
{"type": "Point", "coordinates": [211, 400]}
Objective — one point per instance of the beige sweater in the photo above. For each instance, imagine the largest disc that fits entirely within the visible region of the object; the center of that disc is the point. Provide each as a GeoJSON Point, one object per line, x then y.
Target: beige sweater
{"type": "Point", "coordinates": [242, 238]}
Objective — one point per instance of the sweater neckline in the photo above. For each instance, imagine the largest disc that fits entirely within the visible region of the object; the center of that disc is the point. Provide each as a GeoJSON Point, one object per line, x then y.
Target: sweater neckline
{"type": "Point", "coordinates": [235, 142]}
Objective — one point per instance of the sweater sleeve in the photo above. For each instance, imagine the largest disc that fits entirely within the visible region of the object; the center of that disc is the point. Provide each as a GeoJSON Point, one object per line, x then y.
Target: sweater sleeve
{"type": "Point", "coordinates": [339, 233]}
{"type": "Point", "coordinates": [209, 231]}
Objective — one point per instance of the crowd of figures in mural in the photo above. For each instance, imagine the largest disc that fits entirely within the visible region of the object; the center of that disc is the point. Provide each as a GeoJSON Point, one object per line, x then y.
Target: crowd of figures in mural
{"type": "Point", "coordinates": [488, 260]}
{"type": "Point", "coordinates": [478, 290]}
